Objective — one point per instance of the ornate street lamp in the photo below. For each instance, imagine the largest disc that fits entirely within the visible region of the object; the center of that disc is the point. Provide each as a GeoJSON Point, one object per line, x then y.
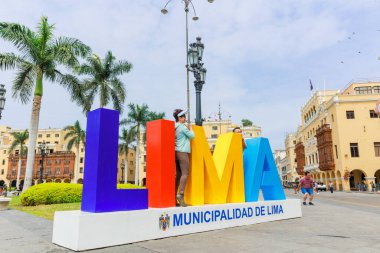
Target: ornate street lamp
{"type": "Point", "coordinates": [195, 18]}
{"type": "Point", "coordinates": [2, 98]}
{"type": "Point", "coordinates": [196, 66]}
{"type": "Point", "coordinates": [122, 165]}
{"type": "Point", "coordinates": [42, 149]}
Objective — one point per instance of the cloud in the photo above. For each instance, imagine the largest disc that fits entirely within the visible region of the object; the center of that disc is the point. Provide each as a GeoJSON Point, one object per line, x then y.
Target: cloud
{"type": "Point", "coordinates": [259, 54]}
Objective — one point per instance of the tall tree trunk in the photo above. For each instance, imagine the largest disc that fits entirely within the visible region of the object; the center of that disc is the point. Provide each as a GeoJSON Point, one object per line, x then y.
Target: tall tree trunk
{"type": "Point", "coordinates": [126, 166]}
{"type": "Point", "coordinates": [137, 157]}
{"type": "Point", "coordinates": [19, 169]}
{"type": "Point", "coordinates": [76, 172]}
{"type": "Point", "coordinates": [33, 129]}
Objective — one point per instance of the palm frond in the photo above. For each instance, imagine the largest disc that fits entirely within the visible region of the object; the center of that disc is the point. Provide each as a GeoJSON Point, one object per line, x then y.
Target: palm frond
{"type": "Point", "coordinates": [10, 60]}
{"type": "Point", "coordinates": [103, 80]}
{"type": "Point", "coordinates": [73, 85]}
{"type": "Point", "coordinates": [156, 115]}
{"type": "Point", "coordinates": [44, 33]}
{"type": "Point", "coordinates": [66, 50]}
{"type": "Point", "coordinates": [121, 67]}
{"type": "Point", "coordinates": [23, 84]}
{"type": "Point", "coordinates": [20, 36]}
{"type": "Point", "coordinates": [19, 140]}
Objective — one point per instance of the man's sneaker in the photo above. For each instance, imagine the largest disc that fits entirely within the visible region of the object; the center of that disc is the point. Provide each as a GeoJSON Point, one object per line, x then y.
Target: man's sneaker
{"type": "Point", "coordinates": [311, 203]}
{"type": "Point", "coordinates": [304, 203]}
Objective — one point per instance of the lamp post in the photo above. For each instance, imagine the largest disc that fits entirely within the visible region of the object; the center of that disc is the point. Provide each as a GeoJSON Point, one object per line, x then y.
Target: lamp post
{"type": "Point", "coordinates": [196, 66]}
{"type": "Point", "coordinates": [122, 165]}
{"type": "Point", "coordinates": [195, 18]}
{"type": "Point", "coordinates": [2, 98]}
{"type": "Point", "coordinates": [42, 149]}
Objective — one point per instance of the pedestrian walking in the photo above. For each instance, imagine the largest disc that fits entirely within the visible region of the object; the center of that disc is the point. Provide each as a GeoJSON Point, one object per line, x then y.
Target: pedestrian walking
{"type": "Point", "coordinates": [306, 185]}
{"type": "Point", "coordinates": [316, 187]}
{"type": "Point", "coordinates": [331, 185]}
{"type": "Point", "coordinates": [373, 187]}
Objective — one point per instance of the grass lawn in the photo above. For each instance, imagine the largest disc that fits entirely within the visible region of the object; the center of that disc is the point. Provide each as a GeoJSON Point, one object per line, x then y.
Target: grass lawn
{"type": "Point", "coordinates": [47, 211]}
{"type": "Point", "coordinates": [44, 211]}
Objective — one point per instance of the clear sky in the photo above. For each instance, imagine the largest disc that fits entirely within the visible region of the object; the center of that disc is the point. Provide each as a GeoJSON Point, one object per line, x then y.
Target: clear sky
{"type": "Point", "coordinates": [259, 54]}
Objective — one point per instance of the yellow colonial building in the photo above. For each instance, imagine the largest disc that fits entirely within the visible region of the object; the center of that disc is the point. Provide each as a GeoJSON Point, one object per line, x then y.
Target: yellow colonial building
{"type": "Point", "coordinates": [338, 140]}
{"type": "Point", "coordinates": [56, 146]}
{"type": "Point", "coordinates": [214, 128]}
{"type": "Point", "coordinates": [291, 161]}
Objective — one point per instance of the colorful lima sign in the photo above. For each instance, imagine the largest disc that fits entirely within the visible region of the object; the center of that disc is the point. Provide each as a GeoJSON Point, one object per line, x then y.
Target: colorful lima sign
{"type": "Point", "coordinates": [227, 176]}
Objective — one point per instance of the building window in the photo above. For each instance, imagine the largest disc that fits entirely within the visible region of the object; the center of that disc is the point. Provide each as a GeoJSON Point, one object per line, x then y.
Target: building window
{"type": "Point", "coordinates": [48, 161]}
{"type": "Point", "coordinates": [131, 163]}
{"type": "Point", "coordinates": [5, 151]}
{"type": "Point", "coordinates": [336, 151]}
{"type": "Point", "coordinates": [57, 171]}
{"type": "Point", "coordinates": [66, 170]}
{"type": "Point", "coordinates": [2, 172]}
{"type": "Point", "coordinates": [67, 161]}
{"type": "Point", "coordinates": [56, 135]}
{"type": "Point", "coordinates": [81, 160]}
{"type": "Point", "coordinates": [372, 114]}
{"type": "Point", "coordinates": [58, 161]}
{"type": "Point", "coordinates": [81, 170]}
{"type": "Point", "coordinates": [48, 171]}
{"type": "Point", "coordinates": [81, 150]}
{"type": "Point", "coordinates": [56, 142]}
{"type": "Point", "coordinates": [130, 172]}
{"type": "Point", "coordinates": [214, 136]}
{"type": "Point", "coordinates": [144, 168]}
{"type": "Point", "coordinates": [39, 135]}
{"type": "Point", "coordinates": [144, 158]}
{"type": "Point", "coordinates": [350, 114]}
{"type": "Point", "coordinates": [3, 161]}
{"type": "Point", "coordinates": [131, 154]}
{"type": "Point", "coordinates": [332, 117]}
{"type": "Point", "coordinates": [48, 136]}
{"type": "Point", "coordinates": [376, 89]}
{"type": "Point", "coordinates": [377, 148]}
{"type": "Point", "coordinates": [354, 150]}
{"type": "Point", "coordinates": [363, 90]}
{"type": "Point", "coordinates": [51, 151]}
{"type": "Point", "coordinates": [214, 127]}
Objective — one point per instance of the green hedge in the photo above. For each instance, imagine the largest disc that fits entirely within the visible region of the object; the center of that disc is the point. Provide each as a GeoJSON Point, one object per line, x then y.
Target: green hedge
{"type": "Point", "coordinates": [57, 193]}
{"type": "Point", "coordinates": [51, 193]}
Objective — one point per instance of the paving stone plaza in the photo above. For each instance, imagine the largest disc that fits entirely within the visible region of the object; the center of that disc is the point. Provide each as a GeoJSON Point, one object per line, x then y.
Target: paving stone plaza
{"type": "Point", "coordinates": [339, 222]}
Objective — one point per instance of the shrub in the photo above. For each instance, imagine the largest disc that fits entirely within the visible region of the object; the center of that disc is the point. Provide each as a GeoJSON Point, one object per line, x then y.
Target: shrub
{"type": "Point", "coordinates": [51, 193]}
{"type": "Point", "coordinates": [57, 193]}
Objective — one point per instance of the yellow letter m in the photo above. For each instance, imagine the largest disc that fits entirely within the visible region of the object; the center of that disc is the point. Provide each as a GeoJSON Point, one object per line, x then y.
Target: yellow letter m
{"type": "Point", "coordinates": [217, 178]}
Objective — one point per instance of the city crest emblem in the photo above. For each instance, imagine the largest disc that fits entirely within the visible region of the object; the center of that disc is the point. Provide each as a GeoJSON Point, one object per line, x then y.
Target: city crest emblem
{"type": "Point", "coordinates": [164, 222]}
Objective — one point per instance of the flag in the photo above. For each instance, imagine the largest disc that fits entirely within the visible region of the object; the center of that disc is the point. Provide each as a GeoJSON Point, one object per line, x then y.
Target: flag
{"type": "Point", "coordinates": [311, 85]}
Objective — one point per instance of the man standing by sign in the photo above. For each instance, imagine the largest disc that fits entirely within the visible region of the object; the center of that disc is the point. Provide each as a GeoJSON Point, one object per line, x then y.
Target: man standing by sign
{"type": "Point", "coordinates": [183, 135]}
{"type": "Point", "coordinates": [306, 185]}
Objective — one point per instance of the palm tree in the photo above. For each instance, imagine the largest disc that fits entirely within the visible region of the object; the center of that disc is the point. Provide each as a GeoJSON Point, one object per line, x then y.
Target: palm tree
{"type": "Point", "coordinates": [40, 55]}
{"type": "Point", "coordinates": [156, 115]}
{"type": "Point", "coordinates": [103, 79]}
{"type": "Point", "coordinates": [19, 141]}
{"type": "Point", "coordinates": [76, 136]}
{"type": "Point", "coordinates": [126, 138]}
{"type": "Point", "coordinates": [138, 116]}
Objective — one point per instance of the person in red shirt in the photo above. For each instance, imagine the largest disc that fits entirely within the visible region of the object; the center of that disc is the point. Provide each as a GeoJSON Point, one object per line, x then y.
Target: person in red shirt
{"type": "Point", "coordinates": [306, 185]}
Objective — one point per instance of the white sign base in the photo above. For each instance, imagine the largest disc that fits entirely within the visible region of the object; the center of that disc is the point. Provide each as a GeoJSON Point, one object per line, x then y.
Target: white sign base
{"type": "Point", "coordinates": [79, 230]}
